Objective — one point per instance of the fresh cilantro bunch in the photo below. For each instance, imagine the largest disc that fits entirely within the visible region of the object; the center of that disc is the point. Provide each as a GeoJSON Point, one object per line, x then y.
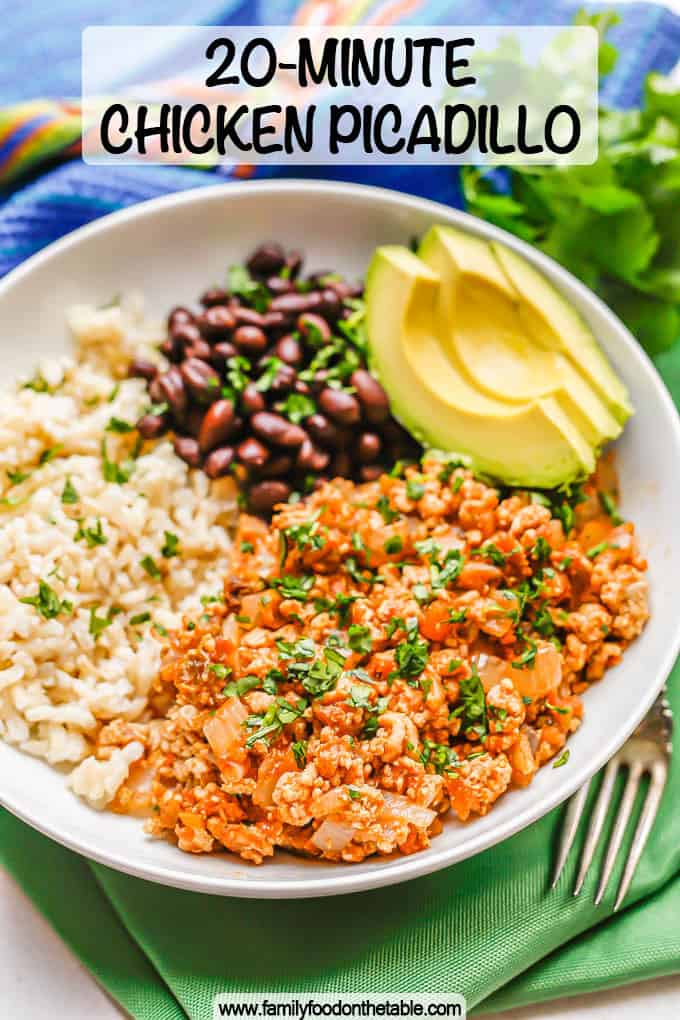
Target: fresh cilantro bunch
{"type": "Point", "coordinates": [615, 224]}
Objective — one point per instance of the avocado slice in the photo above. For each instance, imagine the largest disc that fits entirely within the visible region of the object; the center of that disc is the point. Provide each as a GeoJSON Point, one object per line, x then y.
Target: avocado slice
{"type": "Point", "coordinates": [532, 444]}
{"type": "Point", "coordinates": [482, 326]}
{"type": "Point", "coordinates": [554, 323]}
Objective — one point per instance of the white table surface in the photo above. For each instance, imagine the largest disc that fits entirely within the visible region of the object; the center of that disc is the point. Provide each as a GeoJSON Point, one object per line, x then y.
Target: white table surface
{"type": "Point", "coordinates": [41, 979]}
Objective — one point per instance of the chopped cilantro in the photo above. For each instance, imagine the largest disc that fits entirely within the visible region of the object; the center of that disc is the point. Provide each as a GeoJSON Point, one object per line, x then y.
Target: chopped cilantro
{"type": "Point", "coordinates": [16, 477]}
{"type": "Point", "coordinates": [47, 455]}
{"type": "Point", "coordinates": [386, 512]}
{"type": "Point", "coordinates": [292, 587]}
{"type": "Point", "coordinates": [541, 549]}
{"type": "Point", "coordinates": [93, 536]}
{"type": "Point", "coordinates": [411, 655]}
{"type": "Point", "coordinates": [69, 494]}
{"type": "Point", "coordinates": [241, 284]}
{"type": "Point", "coordinates": [528, 656]}
{"type": "Point", "coordinates": [597, 549]}
{"type": "Point", "coordinates": [98, 624]}
{"type": "Point", "coordinates": [151, 567]}
{"type": "Point", "coordinates": [47, 602]}
{"type": "Point", "coordinates": [247, 547]}
{"type": "Point", "coordinates": [359, 639]}
{"type": "Point", "coordinates": [415, 490]}
{"type": "Point", "coordinates": [299, 749]}
{"type": "Point", "coordinates": [119, 426]}
{"type": "Point", "coordinates": [140, 618]}
{"type": "Point", "coordinates": [271, 724]}
{"type": "Point", "coordinates": [297, 407]}
{"type": "Point", "coordinates": [472, 708]}
{"type": "Point", "coordinates": [393, 545]}
{"type": "Point", "coordinates": [442, 757]}
{"type": "Point", "coordinates": [170, 546]}
{"type": "Point", "coordinates": [237, 688]}
{"type": "Point", "coordinates": [609, 506]}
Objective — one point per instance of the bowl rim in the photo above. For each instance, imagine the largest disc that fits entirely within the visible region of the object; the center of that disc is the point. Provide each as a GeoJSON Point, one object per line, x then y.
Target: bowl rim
{"type": "Point", "coordinates": [393, 870]}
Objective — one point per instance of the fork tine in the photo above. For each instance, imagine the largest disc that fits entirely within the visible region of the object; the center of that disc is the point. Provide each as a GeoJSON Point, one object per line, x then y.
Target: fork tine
{"type": "Point", "coordinates": [569, 829]}
{"type": "Point", "coordinates": [650, 807]}
{"type": "Point", "coordinates": [596, 823]}
{"type": "Point", "coordinates": [626, 806]}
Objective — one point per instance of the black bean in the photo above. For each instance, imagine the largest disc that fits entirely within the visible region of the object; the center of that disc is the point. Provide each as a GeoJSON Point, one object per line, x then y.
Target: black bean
{"type": "Point", "coordinates": [179, 315]}
{"type": "Point", "coordinates": [214, 296]}
{"type": "Point", "coordinates": [151, 426]}
{"type": "Point", "coordinates": [371, 395]}
{"type": "Point", "coordinates": [249, 317]}
{"type": "Point", "coordinates": [201, 349]}
{"type": "Point", "coordinates": [252, 400]}
{"type": "Point", "coordinates": [279, 285]}
{"type": "Point", "coordinates": [324, 431]}
{"type": "Point", "coordinates": [274, 428]}
{"type": "Point", "coordinates": [319, 381]}
{"type": "Point", "coordinates": [294, 261]}
{"type": "Point", "coordinates": [140, 368]}
{"type": "Point", "coordinates": [314, 328]}
{"type": "Point", "coordinates": [330, 304]}
{"type": "Point", "coordinates": [288, 349]}
{"type": "Point", "coordinates": [156, 391]}
{"type": "Point", "coordinates": [341, 465]}
{"type": "Point", "coordinates": [250, 339]}
{"type": "Point", "coordinates": [368, 447]}
{"type": "Point", "coordinates": [217, 425]}
{"type": "Point", "coordinates": [221, 353]}
{"type": "Point", "coordinates": [296, 304]}
{"type": "Point", "coordinates": [393, 432]}
{"type": "Point", "coordinates": [284, 380]}
{"type": "Point", "coordinates": [193, 420]}
{"type": "Point", "coordinates": [369, 472]}
{"type": "Point", "coordinates": [173, 392]}
{"type": "Point", "coordinates": [311, 458]}
{"type": "Point", "coordinates": [264, 496]}
{"type": "Point", "coordinates": [276, 467]}
{"type": "Point", "coordinates": [216, 323]}
{"type": "Point", "coordinates": [201, 380]}
{"type": "Point", "coordinates": [185, 333]}
{"type": "Point", "coordinates": [187, 449]}
{"type": "Point", "coordinates": [275, 321]}
{"type": "Point", "coordinates": [172, 349]}
{"type": "Point", "coordinates": [252, 452]}
{"type": "Point", "coordinates": [267, 259]}
{"type": "Point", "coordinates": [342, 407]}
{"type": "Point", "coordinates": [219, 462]}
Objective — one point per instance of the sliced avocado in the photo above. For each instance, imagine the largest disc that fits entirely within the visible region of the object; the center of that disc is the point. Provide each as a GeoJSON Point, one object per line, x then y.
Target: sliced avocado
{"type": "Point", "coordinates": [483, 329]}
{"type": "Point", "coordinates": [552, 320]}
{"type": "Point", "coordinates": [531, 444]}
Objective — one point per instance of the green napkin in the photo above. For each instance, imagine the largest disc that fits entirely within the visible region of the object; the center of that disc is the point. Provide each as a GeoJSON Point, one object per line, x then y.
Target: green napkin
{"type": "Point", "coordinates": [489, 927]}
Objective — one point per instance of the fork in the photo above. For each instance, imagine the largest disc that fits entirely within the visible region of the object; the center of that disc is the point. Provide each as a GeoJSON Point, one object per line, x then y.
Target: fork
{"type": "Point", "coordinates": [648, 750]}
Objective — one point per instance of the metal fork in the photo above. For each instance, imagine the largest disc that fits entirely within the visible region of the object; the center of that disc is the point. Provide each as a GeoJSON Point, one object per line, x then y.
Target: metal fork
{"type": "Point", "coordinates": [648, 750]}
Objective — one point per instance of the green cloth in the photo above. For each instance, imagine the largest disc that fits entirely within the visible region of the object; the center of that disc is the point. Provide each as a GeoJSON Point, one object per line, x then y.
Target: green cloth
{"type": "Point", "coordinates": [489, 927]}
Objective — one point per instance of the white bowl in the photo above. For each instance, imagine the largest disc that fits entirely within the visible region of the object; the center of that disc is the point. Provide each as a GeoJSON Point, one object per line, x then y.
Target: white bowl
{"type": "Point", "coordinates": [173, 248]}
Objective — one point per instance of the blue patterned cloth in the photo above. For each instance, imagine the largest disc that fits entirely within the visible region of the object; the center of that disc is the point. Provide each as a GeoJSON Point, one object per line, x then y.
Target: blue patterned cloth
{"type": "Point", "coordinates": [44, 60]}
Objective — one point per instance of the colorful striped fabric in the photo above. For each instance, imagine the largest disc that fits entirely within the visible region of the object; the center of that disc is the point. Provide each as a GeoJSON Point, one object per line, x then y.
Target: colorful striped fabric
{"type": "Point", "coordinates": [34, 133]}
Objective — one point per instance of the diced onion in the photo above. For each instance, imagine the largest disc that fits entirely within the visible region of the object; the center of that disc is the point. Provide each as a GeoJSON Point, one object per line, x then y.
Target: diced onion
{"type": "Point", "coordinates": [533, 681]}
{"type": "Point", "coordinates": [402, 808]}
{"type": "Point", "coordinates": [333, 836]}
{"type": "Point", "coordinates": [224, 731]}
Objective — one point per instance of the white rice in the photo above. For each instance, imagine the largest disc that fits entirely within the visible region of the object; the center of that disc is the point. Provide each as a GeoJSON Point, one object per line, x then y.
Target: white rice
{"type": "Point", "coordinates": [59, 682]}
